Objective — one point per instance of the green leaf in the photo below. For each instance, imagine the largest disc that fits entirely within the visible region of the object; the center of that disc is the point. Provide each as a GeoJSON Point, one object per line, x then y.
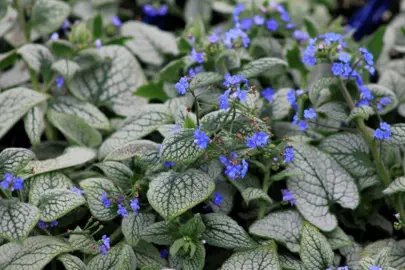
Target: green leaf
{"type": "Point", "coordinates": [315, 251]}
{"type": "Point", "coordinates": [380, 91]}
{"type": "Point", "coordinates": [111, 83]}
{"type": "Point", "coordinates": [12, 160]}
{"type": "Point", "coordinates": [117, 172]}
{"type": "Point", "coordinates": [61, 48]}
{"type": "Point", "coordinates": [142, 150]}
{"type": "Point", "coordinates": [93, 188]}
{"type": "Point", "coordinates": [17, 220]}
{"type": "Point", "coordinates": [363, 112]}
{"type": "Point", "coordinates": [171, 194]}
{"type": "Point", "coordinates": [185, 262]}
{"type": "Point", "coordinates": [161, 233]}
{"type": "Point", "coordinates": [97, 26]}
{"type": "Point", "coordinates": [189, 121]}
{"type": "Point", "coordinates": [351, 151]}
{"type": "Point", "coordinates": [37, 57]}
{"type": "Point", "coordinates": [133, 226]}
{"type": "Point", "coordinates": [34, 123]}
{"type": "Point", "coordinates": [146, 120]}
{"type": "Point", "coordinates": [193, 228]}
{"type": "Point", "coordinates": [198, 9]}
{"type": "Point", "coordinates": [76, 130]}
{"type": "Point", "coordinates": [35, 253]}
{"type": "Point", "coordinates": [319, 185]}
{"type": "Point", "coordinates": [15, 103]}
{"type": "Point", "coordinates": [397, 186]}
{"type": "Point", "coordinates": [290, 263]}
{"type": "Point", "coordinates": [283, 226]}
{"type": "Point", "coordinates": [375, 43]}
{"type": "Point", "coordinates": [152, 90]}
{"type": "Point", "coordinates": [204, 79]}
{"type": "Point", "coordinates": [149, 43]}
{"type": "Point", "coordinates": [381, 259]}
{"type": "Point", "coordinates": [259, 66]}
{"type": "Point", "coordinates": [84, 110]}
{"type": "Point", "coordinates": [338, 238]}
{"type": "Point", "coordinates": [148, 255]}
{"type": "Point", "coordinates": [48, 15]}
{"type": "Point", "coordinates": [119, 257]}
{"type": "Point", "coordinates": [228, 192]}
{"type": "Point", "coordinates": [170, 72]}
{"type": "Point", "coordinates": [41, 183]}
{"type": "Point", "coordinates": [72, 156]}
{"type": "Point", "coordinates": [251, 194]}
{"type": "Point", "coordinates": [395, 81]}
{"type": "Point", "coordinates": [84, 243]}
{"type": "Point", "coordinates": [294, 60]}
{"type": "Point", "coordinates": [280, 106]}
{"type": "Point", "coordinates": [66, 68]}
{"type": "Point", "coordinates": [55, 203]}
{"type": "Point", "coordinates": [397, 135]}
{"type": "Point", "coordinates": [311, 27]}
{"type": "Point", "coordinates": [396, 256]}
{"type": "Point", "coordinates": [8, 58]}
{"type": "Point", "coordinates": [15, 76]}
{"type": "Point", "coordinates": [71, 262]}
{"type": "Point", "coordinates": [222, 231]}
{"type": "Point", "coordinates": [229, 59]}
{"type": "Point", "coordinates": [180, 146]}
{"type": "Point", "coordinates": [260, 258]}
{"type": "Point", "coordinates": [319, 92]}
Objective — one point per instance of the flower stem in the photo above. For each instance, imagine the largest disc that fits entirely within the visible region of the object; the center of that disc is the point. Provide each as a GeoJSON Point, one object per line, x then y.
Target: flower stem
{"type": "Point", "coordinates": [197, 109]}
{"type": "Point", "coordinates": [265, 187]}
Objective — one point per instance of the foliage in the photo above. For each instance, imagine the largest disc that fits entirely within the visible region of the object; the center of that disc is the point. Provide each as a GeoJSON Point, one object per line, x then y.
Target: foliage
{"type": "Point", "coordinates": [265, 142]}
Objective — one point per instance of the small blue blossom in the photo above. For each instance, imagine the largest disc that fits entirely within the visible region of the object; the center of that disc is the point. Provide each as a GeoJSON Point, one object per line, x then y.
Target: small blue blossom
{"type": "Point", "coordinates": [218, 198]}
{"type": "Point", "coordinates": [182, 86]}
{"type": "Point", "coordinates": [257, 140]}
{"type": "Point", "coordinates": [223, 100]}
{"type": "Point", "coordinates": [234, 169]}
{"type": "Point", "coordinates": [288, 154]}
{"type": "Point", "coordinates": [77, 190]}
{"type": "Point", "coordinates": [246, 24]}
{"type": "Point", "coordinates": [162, 10]}
{"type": "Point", "coordinates": [331, 37]}
{"type": "Point", "coordinates": [135, 206]}
{"type": "Point", "coordinates": [338, 69]}
{"type": "Point", "coordinates": [366, 93]}
{"type": "Point", "coordinates": [344, 57]}
{"type": "Point", "coordinates": [288, 197]}
{"type": "Point", "coordinates": [290, 26]}
{"type": "Point", "coordinates": [238, 9]}
{"type": "Point", "coordinates": [106, 201]}
{"type": "Point", "coordinates": [268, 94]}
{"type": "Point", "coordinates": [18, 184]}
{"type": "Point", "coordinates": [7, 180]}
{"type": "Point", "coordinates": [383, 102]}
{"type": "Point", "coordinates": [214, 38]}
{"type": "Point", "coordinates": [309, 114]}
{"type": "Point", "coordinates": [194, 71]}
{"type": "Point", "coordinates": [235, 80]}
{"type": "Point", "coordinates": [244, 168]}
{"type": "Point", "coordinates": [234, 34]}
{"type": "Point", "coordinates": [363, 102]}
{"type": "Point", "coordinates": [149, 10]}
{"type": "Point", "coordinates": [201, 139]}
{"type": "Point", "coordinates": [116, 21]}
{"type": "Point", "coordinates": [300, 36]}
{"type": "Point", "coordinates": [164, 254]}
{"type": "Point", "coordinates": [369, 59]}
{"type": "Point", "coordinates": [343, 268]}
{"type": "Point", "coordinates": [292, 99]}
{"type": "Point", "coordinates": [169, 164]}
{"type": "Point", "coordinates": [54, 36]}
{"type": "Point", "coordinates": [42, 224]}
{"type": "Point", "coordinates": [105, 246]}
{"type": "Point", "coordinates": [302, 125]}
{"type": "Point", "coordinates": [98, 43]}
{"type": "Point", "coordinates": [258, 20]}
{"type": "Point", "coordinates": [197, 56]}
{"type": "Point", "coordinates": [272, 25]}
{"type": "Point", "coordinates": [384, 132]}
{"type": "Point", "coordinates": [60, 81]}
{"type": "Point", "coordinates": [65, 25]}
{"type": "Point", "coordinates": [375, 267]}
{"type": "Point", "coordinates": [295, 119]}
{"type": "Point", "coordinates": [309, 53]}
{"type": "Point", "coordinates": [285, 16]}
{"type": "Point", "coordinates": [241, 94]}
{"type": "Point", "coordinates": [53, 223]}
{"type": "Point", "coordinates": [122, 211]}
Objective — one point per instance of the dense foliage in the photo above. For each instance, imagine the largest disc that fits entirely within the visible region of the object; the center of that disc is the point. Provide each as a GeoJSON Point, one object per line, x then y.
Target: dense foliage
{"type": "Point", "coordinates": [259, 136]}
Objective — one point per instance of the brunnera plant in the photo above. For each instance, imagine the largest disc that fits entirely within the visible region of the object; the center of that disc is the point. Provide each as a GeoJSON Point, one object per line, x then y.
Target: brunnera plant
{"type": "Point", "coordinates": [264, 142]}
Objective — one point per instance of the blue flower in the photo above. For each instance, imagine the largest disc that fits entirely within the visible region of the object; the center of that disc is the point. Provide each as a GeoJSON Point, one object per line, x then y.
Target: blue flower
{"type": "Point", "coordinates": [331, 37]}
{"type": "Point", "coordinates": [272, 25]}
{"type": "Point", "coordinates": [300, 36]}
{"type": "Point", "coordinates": [309, 114]}
{"type": "Point", "coordinates": [98, 43]}
{"type": "Point", "coordinates": [105, 246]}
{"type": "Point", "coordinates": [258, 20]}
{"type": "Point", "coordinates": [214, 38]}
{"type": "Point", "coordinates": [77, 190]}
{"type": "Point", "coordinates": [246, 24]}
{"type": "Point", "coordinates": [302, 125]}
{"type": "Point", "coordinates": [363, 102]}
{"type": "Point", "coordinates": [308, 57]}
{"type": "Point", "coordinates": [122, 211]}
{"type": "Point", "coordinates": [234, 169]}
{"type": "Point", "coordinates": [7, 180]}
{"type": "Point", "coordinates": [135, 206]}
{"type": "Point", "coordinates": [235, 80]}
{"type": "Point", "coordinates": [106, 201]}
{"type": "Point", "coordinates": [182, 86]}
{"type": "Point", "coordinates": [384, 132]}
{"type": "Point", "coordinates": [164, 254]}
{"type": "Point", "coordinates": [343, 268]}
{"type": "Point", "coordinates": [285, 16]}
{"type": "Point", "coordinates": [169, 164]}
{"type": "Point", "coordinates": [42, 224]}
{"type": "Point", "coordinates": [17, 184]}
{"type": "Point", "coordinates": [367, 56]}
{"type": "Point", "coordinates": [290, 26]}
{"type": "Point", "coordinates": [375, 267]}
{"type": "Point", "coordinates": [241, 94]}
{"type": "Point", "coordinates": [338, 69]}
{"type": "Point", "coordinates": [292, 99]}
{"type": "Point", "coordinates": [149, 10]}
{"type": "Point", "coordinates": [288, 154]}
{"type": "Point", "coordinates": [201, 139]}
{"type": "Point", "coordinates": [268, 94]}
{"type": "Point", "coordinates": [223, 100]}
{"type": "Point", "coordinates": [194, 71]}
{"type": "Point", "coordinates": [366, 93]}
{"type": "Point", "coordinates": [238, 9]}
{"type": "Point", "coordinates": [233, 34]}
{"type": "Point", "coordinates": [54, 36]}
{"type": "Point", "coordinates": [53, 223]}
{"type": "Point", "coordinates": [218, 198]}
{"type": "Point", "coordinates": [65, 25]}
{"type": "Point", "coordinates": [244, 170]}
{"type": "Point", "coordinates": [162, 10]}
{"type": "Point", "coordinates": [60, 81]}
{"type": "Point", "coordinates": [197, 56]}
{"type": "Point", "coordinates": [344, 57]}
{"type": "Point", "coordinates": [288, 197]}
{"type": "Point", "coordinates": [383, 102]}
{"type": "Point", "coordinates": [257, 140]}
{"type": "Point", "coordinates": [116, 21]}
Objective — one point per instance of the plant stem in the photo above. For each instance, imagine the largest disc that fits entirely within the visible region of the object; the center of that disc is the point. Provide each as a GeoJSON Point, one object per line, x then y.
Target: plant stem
{"type": "Point", "coordinates": [197, 109]}
{"type": "Point", "coordinates": [265, 187]}
{"type": "Point", "coordinates": [116, 234]}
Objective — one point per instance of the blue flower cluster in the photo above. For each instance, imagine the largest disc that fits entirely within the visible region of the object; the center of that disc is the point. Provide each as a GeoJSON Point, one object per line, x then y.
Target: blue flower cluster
{"type": "Point", "coordinates": [116, 21]}
{"type": "Point", "coordinates": [182, 85]}
{"type": "Point", "coordinates": [375, 267]}
{"type": "Point", "coordinates": [105, 245]}
{"type": "Point", "coordinates": [257, 140]}
{"type": "Point", "coordinates": [201, 139]}
{"type": "Point", "coordinates": [288, 197]}
{"type": "Point", "coordinates": [105, 200]}
{"type": "Point", "coordinates": [233, 84]}
{"type": "Point", "coordinates": [309, 114]}
{"type": "Point", "coordinates": [164, 254]}
{"type": "Point", "coordinates": [384, 132]}
{"type": "Point", "coordinates": [197, 56]}
{"type": "Point", "coordinates": [155, 11]}
{"type": "Point", "coordinates": [268, 94]}
{"type": "Point", "coordinates": [43, 225]}
{"type": "Point", "coordinates": [288, 154]}
{"type": "Point", "coordinates": [77, 190]}
{"type": "Point", "coordinates": [12, 183]}
{"type": "Point", "coordinates": [218, 198]}
{"type": "Point", "coordinates": [121, 208]}
{"type": "Point", "coordinates": [234, 168]}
